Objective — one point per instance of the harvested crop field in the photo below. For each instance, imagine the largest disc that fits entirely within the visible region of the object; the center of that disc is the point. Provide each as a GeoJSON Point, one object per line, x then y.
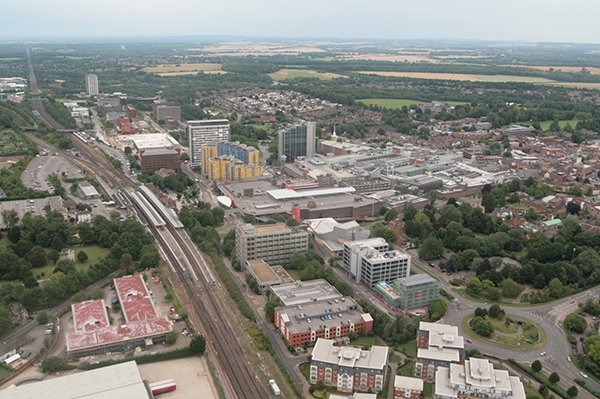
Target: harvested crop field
{"type": "Point", "coordinates": [284, 74]}
{"type": "Point", "coordinates": [184, 69]}
{"type": "Point", "coordinates": [592, 70]}
{"type": "Point", "coordinates": [463, 76]}
{"type": "Point", "coordinates": [389, 57]}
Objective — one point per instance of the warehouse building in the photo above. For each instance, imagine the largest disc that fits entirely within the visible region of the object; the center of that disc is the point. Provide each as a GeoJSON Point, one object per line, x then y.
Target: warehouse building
{"type": "Point", "coordinates": [117, 381]}
{"type": "Point", "coordinates": [94, 334]}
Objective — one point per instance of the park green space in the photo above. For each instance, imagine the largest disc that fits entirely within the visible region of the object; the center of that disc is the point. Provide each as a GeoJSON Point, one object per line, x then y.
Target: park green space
{"type": "Point", "coordinates": [401, 102]}
{"type": "Point", "coordinates": [295, 274]}
{"type": "Point", "coordinates": [509, 337]}
{"type": "Point", "coordinates": [12, 143]}
{"type": "Point", "coordinates": [95, 253]}
{"type": "Point", "coordinates": [284, 74]}
{"type": "Point", "coordinates": [546, 124]}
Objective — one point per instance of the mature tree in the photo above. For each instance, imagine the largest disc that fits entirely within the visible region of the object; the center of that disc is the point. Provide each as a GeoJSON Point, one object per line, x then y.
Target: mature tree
{"type": "Point", "coordinates": [409, 213]}
{"type": "Point", "coordinates": [55, 363]}
{"type": "Point", "coordinates": [82, 256]}
{"type": "Point", "coordinates": [390, 215]}
{"type": "Point", "coordinates": [431, 248]}
{"type": "Point", "coordinates": [79, 296]}
{"type": "Point", "coordinates": [593, 346]}
{"type": "Point", "coordinates": [171, 337]}
{"type": "Point", "coordinates": [37, 257]}
{"type": "Point", "coordinates": [576, 323]}
{"type": "Point", "coordinates": [448, 214]}
{"type": "Point", "coordinates": [543, 390]}
{"type": "Point", "coordinates": [572, 391]}
{"type": "Point", "coordinates": [5, 320]}
{"type": "Point", "coordinates": [379, 230]}
{"type": "Point", "coordinates": [438, 309]}
{"type": "Point", "coordinates": [97, 293]}
{"type": "Point", "coordinates": [489, 202]}
{"type": "Point", "coordinates": [198, 344]}
{"type": "Point", "coordinates": [573, 208]}
{"type": "Point", "coordinates": [510, 288]}
{"type": "Point", "coordinates": [42, 317]}
{"type": "Point", "coordinates": [536, 366]}
{"type": "Point", "coordinates": [482, 327]}
{"type": "Point", "coordinates": [495, 311]}
{"type": "Point", "coordinates": [554, 378]}
{"type": "Point", "coordinates": [10, 217]}
{"type": "Point", "coordinates": [481, 312]}
{"type": "Point", "coordinates": [270, 307]}
{"type": "Point", "coordinates": [474, 285]}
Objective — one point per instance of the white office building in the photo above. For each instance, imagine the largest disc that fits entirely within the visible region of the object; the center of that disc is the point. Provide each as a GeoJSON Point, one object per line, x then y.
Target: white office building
{"type": "Point", "coordinates": [204, 132]}
{"type": "Point", "coordinates": [91, 84]}
{"type": "Point", "coordinates": [369, 261]}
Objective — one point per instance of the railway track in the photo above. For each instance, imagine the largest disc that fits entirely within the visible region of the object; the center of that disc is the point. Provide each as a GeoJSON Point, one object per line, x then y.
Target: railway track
{"type": "Point", "coordinates": [220, 336]}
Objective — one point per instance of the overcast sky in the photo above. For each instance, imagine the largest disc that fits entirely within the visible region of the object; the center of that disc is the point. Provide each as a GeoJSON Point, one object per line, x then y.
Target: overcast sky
{"type": "Point", "coordinates": [515, 20]}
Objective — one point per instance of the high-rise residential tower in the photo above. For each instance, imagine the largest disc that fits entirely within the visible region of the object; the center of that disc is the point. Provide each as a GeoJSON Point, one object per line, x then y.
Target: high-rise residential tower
{"type": "Point", "coordinates": [203, 132]}
{"type": "Point", "coordinates": [91, 84]}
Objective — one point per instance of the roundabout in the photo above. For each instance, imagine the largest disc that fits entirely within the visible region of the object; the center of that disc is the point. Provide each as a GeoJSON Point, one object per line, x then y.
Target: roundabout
{"type": "Point", "coordinates": [511, 332]}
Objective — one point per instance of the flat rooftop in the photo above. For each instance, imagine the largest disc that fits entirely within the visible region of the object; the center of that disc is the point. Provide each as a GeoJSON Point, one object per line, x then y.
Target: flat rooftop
{"type": "Point", "coordinates": [118, 333]}
{"type": "Point", "coordinates": [322, 314]}
{"type": "Point", "coordinates": [347, 356]}
{"type": "Point", "coordinates": [119, 381]}
{"type": "Point", "coordinates": [443, 354]}
{"type": "Point", "coordinates": [416, 279]}
{"type": "Point", "coordinates": [435, 328]}
{"type": "Point", "coordinates": [89, 315]}
{"type": "Point", "coordinates": [305, 291]}
{"type": "Point", "coordinates": [262, 203]}
{"type": "Point", "coordinates": [147, 141]}
{"type": "Point", "coordinates": [135, 300]}
{"type": "Point", "coordinates": [262, 271]}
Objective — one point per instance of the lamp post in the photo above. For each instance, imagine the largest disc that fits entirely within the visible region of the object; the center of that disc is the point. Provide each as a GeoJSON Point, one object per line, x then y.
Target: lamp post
{"type": "Point", "coordinates": [573, 255]}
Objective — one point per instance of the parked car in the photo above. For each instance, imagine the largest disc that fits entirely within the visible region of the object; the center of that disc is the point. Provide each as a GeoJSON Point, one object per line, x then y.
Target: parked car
{"type": "Point", "coordinates": [543, 354]}
{"type": "Point", "coordinates": [568, 358]}
{"type": "Point", "coordinates": [572, 301]}
{"type": "Point", "coordinates": [469, 340]}
{"type": "Point", "coordinates": [25, 356]}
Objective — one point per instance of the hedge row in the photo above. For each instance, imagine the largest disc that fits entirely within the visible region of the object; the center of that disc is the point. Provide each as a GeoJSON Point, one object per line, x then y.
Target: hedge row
{"type": "Point", "coordinates": [231, 286]}
{"type": "Point", "coordinates": [542, 379]}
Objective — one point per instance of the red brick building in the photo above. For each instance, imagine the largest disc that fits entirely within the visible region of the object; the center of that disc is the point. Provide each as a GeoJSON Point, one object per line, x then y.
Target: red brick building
{"type": "Point", "coordinates": [154, 159]}
{"type": "Point", "coordinates": [323, 319]}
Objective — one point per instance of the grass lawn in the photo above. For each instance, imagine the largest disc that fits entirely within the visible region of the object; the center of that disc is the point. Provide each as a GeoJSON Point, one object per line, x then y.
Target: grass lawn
{"type": "Point", "coordinates": [4, 371]}
{"type": "Point", "coordinates": [366, 341]}
{"type": "Point", "coordinates": [408, 348]}
{"type": "Point", "coordinates": [94, 253]}
{"type": "Point", "coordinates": [393, 358]}
{"type": "Point", "coordinates": [295, 274]}
{"type": "Point", "coordinates": [428, 389]}
{"type": "Point", "coordinates": [546, 124]}
{"type": "Point", "coordinates": [399, 103]}
{"type": "Point", "coordinates": [408, 370]}
{"type": "Point", "coordinates": [500, 326]}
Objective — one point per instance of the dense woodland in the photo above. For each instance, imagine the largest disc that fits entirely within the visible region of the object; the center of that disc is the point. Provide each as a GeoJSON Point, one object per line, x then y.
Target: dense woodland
{"type": "Point", "coordinates": [36, 242]}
